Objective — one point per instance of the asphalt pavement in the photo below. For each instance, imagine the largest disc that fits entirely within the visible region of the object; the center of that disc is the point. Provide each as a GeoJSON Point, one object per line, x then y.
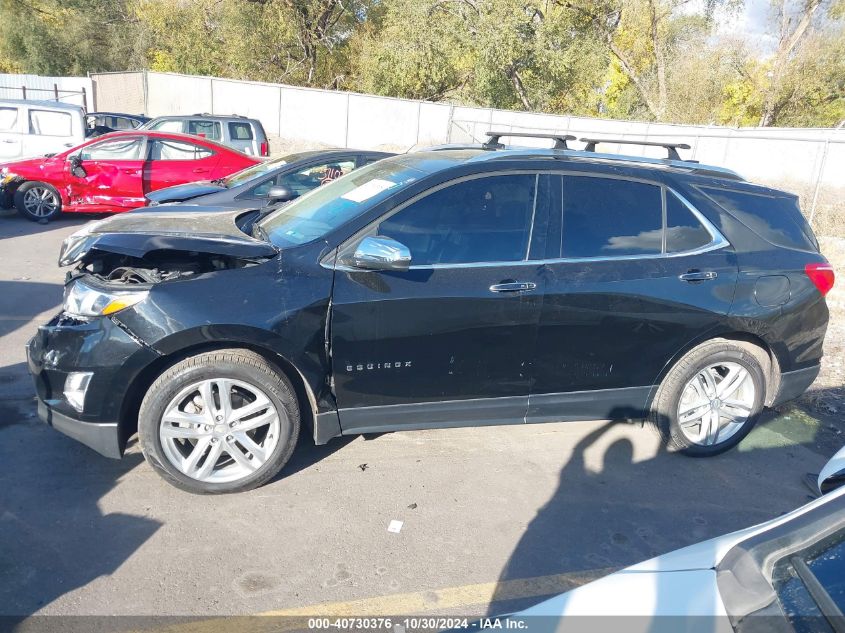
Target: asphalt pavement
{"type": "Point", "coordinates": [492, 518]}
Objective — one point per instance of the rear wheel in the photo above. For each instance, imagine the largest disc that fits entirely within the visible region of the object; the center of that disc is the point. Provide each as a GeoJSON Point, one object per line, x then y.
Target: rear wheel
{"type": "Point", "coordinates": [711, 398]}
{"type": "Point", "coordinates": [38, 201]}
{"type": "Point", "coordinates": [218, 422]}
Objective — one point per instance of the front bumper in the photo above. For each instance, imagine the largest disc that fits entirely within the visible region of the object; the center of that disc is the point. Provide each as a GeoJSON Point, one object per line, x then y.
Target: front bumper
{"type": "Point", "coordinates": [113, 357]}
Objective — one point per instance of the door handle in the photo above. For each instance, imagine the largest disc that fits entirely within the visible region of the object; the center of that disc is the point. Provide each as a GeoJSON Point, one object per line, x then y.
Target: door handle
{"type": "Point", "coordinates": [698, 275]}
{"type": "Point", "coordinates": [513, 286]}
{"type": "Point", "coordinates": [134, 172]}
{"type": "Point", "coordinates": [200, 170]}
{"type": "Point", "coordinates": [8, 140]}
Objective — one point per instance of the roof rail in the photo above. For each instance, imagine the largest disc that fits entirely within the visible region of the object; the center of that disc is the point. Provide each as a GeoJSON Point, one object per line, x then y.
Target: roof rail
{"type": "Point", "coordinates": [559, 139]}
{"type": "Point", "coordinates": [671, 148]}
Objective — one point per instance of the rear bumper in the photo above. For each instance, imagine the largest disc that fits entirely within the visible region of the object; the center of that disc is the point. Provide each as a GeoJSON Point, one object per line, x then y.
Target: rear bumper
{"type": "Point", "coordinates": [794, 383]}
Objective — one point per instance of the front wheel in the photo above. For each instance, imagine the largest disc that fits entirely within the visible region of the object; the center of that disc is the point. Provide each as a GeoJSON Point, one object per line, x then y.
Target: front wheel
{"type": "Point", "coordinates": [711, 398]}
{"type": "Point", "coordinates": [38, 201]}
{"type": "Point", "coordinates": [223, 421]}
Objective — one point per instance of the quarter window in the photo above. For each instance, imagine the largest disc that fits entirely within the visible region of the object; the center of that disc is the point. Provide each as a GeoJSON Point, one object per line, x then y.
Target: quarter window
{"type": "Point", "coordinates": [608, 217]}
{"type": "Point", "coordinates": [683, 230]}
{"type": "Point", "coordinates": [168, 125]}
{"type": "Point", "coordinates": [240, 131]}
{"type": "Point", "coordinates": [113, 149]}
{"type": "Point", "coordinates": [49, 123]}
{"type": "Point", "coordinates": [177, 150]}
{"type": "Point", "coordinates": [480, 220]}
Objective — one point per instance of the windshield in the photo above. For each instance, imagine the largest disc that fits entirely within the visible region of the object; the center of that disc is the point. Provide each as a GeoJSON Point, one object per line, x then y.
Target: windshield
{"type": "Point", "coordinates": [251, 173]}
{"type": "Point", "coordinates": [326, 208]}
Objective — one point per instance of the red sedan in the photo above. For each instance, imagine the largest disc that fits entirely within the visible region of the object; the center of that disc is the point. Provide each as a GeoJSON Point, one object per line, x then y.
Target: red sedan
{"type": "Point", "coordinates": [113, 172]}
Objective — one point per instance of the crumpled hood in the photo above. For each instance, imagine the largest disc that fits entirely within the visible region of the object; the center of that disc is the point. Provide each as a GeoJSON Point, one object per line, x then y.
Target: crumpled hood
{"type": "Point", "coordinates": [177, 193]}
{"type": "Point", "coordinates": [136, 234]}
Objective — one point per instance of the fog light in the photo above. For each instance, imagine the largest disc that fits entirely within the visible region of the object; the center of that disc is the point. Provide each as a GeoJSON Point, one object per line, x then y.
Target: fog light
{"type": "Point", "coordinates": [76, 384]}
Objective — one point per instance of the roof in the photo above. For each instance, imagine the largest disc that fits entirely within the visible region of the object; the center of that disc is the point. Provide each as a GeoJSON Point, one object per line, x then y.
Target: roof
{"type": "Point", "coordinates": [436, 158]}
{"type": "Point", "coordinates": [139, 117]}
{"type": "Point", "coordinates": [42, 103]}
{"type": "Point", "coordinates": [206, 115]}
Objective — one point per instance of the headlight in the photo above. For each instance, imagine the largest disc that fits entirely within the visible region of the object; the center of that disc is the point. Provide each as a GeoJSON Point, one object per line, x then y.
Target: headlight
{"type": "Point", "coordinates": [6, 176]}
{"type": "Point", "coordinates": [84, 301]}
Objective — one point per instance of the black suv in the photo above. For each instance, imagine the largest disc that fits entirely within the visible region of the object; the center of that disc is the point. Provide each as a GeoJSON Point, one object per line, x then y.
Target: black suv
{"type": "Point", "coordinates": [473, 286]}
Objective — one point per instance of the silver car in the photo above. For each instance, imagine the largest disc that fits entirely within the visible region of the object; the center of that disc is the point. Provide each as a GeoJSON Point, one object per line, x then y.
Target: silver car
{"type": "Point", "coordinates": [238, 132]}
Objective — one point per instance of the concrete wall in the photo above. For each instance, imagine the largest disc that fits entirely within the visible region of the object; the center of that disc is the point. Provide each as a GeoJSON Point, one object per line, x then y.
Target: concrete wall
{"type": "Point", "coordinates": [809, 162]}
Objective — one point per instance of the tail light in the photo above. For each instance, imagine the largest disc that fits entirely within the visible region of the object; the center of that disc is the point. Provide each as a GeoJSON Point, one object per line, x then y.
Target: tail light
{"type": "Point", "coordinates": [821, 274]}
{"type": "Point", "coordinates": [265, 151]}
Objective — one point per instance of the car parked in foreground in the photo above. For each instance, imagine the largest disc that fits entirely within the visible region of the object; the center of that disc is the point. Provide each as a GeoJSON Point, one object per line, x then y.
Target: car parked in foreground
{"type": "Point", "coordinates": [238, 132]}
{"type": "Point", "coordinates": [36, 128]}
{"type": "Point", "coordinates": [100, 123]}
{"type": "Point", "coordinates": [297, 173]}
{"type": "Point", "coordinates": [113, 172]}
{"type": "Point", "coordinates": [783, 576]}
{"type": "Point", "coordinates": [436, 289]}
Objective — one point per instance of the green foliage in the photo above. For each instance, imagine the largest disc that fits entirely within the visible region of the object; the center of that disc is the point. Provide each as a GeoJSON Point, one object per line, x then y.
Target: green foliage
{"type": "Point", "coordinates": [644, 59]}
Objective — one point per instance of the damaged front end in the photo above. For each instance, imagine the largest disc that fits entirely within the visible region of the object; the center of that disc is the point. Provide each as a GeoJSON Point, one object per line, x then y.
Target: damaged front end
{"type": "Point", "coordinates": [117, 251]}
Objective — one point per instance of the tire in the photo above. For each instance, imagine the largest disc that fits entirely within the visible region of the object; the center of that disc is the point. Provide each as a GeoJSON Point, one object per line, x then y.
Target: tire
{"type": "Point", "coordinates": [38, 201]}
{"type": "Point", "coordinates": [682, 384]}
{"type": "Point", "coordinates": [174, 421]}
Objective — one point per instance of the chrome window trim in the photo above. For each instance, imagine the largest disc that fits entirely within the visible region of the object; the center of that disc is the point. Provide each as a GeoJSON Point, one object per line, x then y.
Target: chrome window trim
{"type": "Point", "coordinates": [717, 242]}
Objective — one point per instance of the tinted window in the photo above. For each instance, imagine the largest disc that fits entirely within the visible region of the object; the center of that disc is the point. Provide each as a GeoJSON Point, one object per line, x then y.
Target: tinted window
{"type": "Point", "coordinates": [607, 217]}
{"type": "Point", "coordinates": [49, 123]}
{"type": "Point", "coordinates": [240, 131]}
{"type": "Point", "coordinates": [122, 123]}
{"type": "Point", "coordinates": [303, 181]}
{"type": "Point", "coordinates": [113, 149]}
{"type": "Point", "coordinates": [8, 119]}
{"type": "Point", "coordinates": [683, 230]}
{"type": "Point", "coordinates": [479, 220]}
{"type": "Point", "coordinates": [206, 129]}
{"type": "Point", "coordinates": [161, 149]}
{"type": "Point", "coordinates": [828, 567]}
{"type": "Point", "coordinates": [777, 219]}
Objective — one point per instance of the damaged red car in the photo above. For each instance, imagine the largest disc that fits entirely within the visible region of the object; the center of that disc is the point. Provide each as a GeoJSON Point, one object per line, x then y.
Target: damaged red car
{"type": "Point", "coordinates": [113, 172]}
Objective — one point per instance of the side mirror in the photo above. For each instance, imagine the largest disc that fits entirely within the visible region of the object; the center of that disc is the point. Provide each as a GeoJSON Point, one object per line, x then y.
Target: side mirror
{"type": "Point", "coordinates": [280, 194]}
{"type": "Point", "coordinates": [381, 253]}
{"type": "Point", "coordinates": [76, 167]}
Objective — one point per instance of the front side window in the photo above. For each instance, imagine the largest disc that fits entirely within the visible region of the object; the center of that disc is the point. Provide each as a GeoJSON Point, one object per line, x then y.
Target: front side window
{"type": "Point", "coordinates": [166, 149]}
{"type": "Point", "coordinates": [479, 220]}
{"type": "Point", "coordinates": [122, 123]}
{"type": "Point", "coordinates": [114, 149]}
{"type": "Point", "coordinates": [8, 119]}
{"type": "Point", "coordinates": [609, 217]}
{"type": "Point", "coordinates": [303, 181]}
{"type": "Point", "coordinates": [205, 129]}
{"type": "Point", "coordinates": [49, 123]}
{"type": "Point", "coordinates": [239, 131]}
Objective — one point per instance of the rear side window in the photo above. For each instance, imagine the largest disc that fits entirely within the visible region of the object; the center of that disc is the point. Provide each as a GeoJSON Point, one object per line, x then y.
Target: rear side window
{"type": "Point", "coordinates": [48, 123]}
{"type": "Point", "coordinates": [777, 219]}
{"type": "Point", "coordinates": [683, 230]}
{"type": "Point", "coordinates": [239, 131]}
{"type": "Point", "coordinates": [168, 125]}
{"type": "Point", "coordinates": [8, 119]}
{"type": "Point", "coordinates": [122, 123]}
{"type": "Point", "coordinates": [161, 149]}
{"type": "Point", "coordinates": [480, 220]}
{"type": "Point", "coordinates": [206, 129]}
{"type": "Point", "coordinates": [608, 217]}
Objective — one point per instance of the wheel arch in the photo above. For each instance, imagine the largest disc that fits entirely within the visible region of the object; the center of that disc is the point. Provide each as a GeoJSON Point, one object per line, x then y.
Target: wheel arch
{"type": "Point", "coordinates": [128, 422]}
{"type": "Point", "coordinates": [754, 343]}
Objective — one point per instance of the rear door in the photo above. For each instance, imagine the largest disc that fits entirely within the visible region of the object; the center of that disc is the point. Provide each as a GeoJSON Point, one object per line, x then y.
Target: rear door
{"type": "Point", "coordinates": [623, 295]}
{"type": "Point", "coordinates": [449, 341]}
{"type": "Point", "coordinates": [113, 180]}
{"type": "Point", "coordinates": [175, 161]}
{"type": "Point", "coordinates": [241, 137]}
{"type": "Point", "coordinates": [11, 136]}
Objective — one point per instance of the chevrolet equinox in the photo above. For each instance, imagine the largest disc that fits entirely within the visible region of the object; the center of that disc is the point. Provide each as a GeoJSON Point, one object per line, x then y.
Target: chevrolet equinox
{"type": "Point", "coordinates": [452, 287]}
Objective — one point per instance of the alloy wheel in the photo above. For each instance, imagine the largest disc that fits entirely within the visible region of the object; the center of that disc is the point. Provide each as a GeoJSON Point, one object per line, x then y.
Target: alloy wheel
{"type": "Point", "coordinates": [40, 202]}
{"type": "Point", "coordinates": [716, 403]}
{"type": "Point", "coordinates": [219, 430]}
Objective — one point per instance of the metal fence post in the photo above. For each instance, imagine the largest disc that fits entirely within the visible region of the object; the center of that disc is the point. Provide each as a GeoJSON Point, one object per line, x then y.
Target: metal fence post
{"type": "Point", "coordinates": [819, 175]}
{"type": "Point", "coordinates": [23, 90]}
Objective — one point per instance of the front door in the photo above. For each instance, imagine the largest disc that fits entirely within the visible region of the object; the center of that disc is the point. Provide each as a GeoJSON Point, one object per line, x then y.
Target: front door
{"type": "Point", "coordinates": [449, 341]}
{"type": "Point", "coordinates": [113, 176]}
{"type": "Point", "coordinates": [623, 296]}
{"type": "Point", "coordinates": [11, 122]}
